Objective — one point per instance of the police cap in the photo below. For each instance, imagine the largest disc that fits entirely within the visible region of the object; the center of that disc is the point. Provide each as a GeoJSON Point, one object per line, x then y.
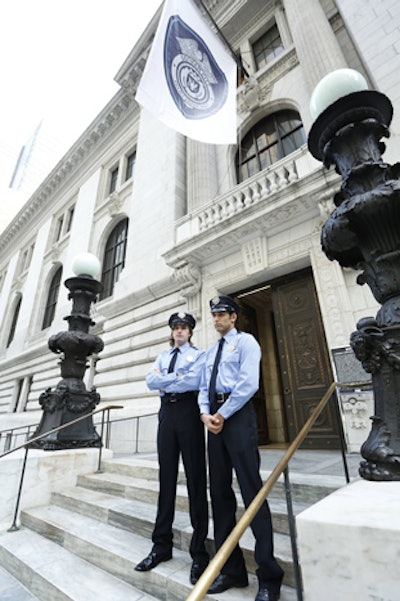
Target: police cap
{"type": "Point", "coordinates": [219, 304]}
{"type": "Point", "coordinates": [182, 318]}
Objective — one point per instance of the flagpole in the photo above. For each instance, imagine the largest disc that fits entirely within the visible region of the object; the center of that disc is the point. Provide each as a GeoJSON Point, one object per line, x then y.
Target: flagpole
{"type": "Point", "coordinates": [236, 56]}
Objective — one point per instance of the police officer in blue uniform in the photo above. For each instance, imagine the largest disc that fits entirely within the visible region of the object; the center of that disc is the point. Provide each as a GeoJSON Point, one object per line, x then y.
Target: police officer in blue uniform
{"type": "Point", "coordinates": [176, 374]}
{"type": "Point", "coordinates": [230, 379]}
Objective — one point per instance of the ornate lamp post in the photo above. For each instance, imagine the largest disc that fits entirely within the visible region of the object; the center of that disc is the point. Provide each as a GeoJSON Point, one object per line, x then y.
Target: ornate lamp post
{"type": "Point", "coordinates": [363, 232]}
{"type": "Point", "coordinates": [70, 399]}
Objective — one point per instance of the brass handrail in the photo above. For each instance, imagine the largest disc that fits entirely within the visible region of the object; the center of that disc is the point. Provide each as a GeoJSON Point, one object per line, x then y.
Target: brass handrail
{"type": "Point", "coordinates": [215, 565]}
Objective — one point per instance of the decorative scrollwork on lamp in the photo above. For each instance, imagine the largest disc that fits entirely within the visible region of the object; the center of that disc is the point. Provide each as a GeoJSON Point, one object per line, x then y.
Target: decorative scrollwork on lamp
{"type": "Point", "coordinates": [363, 233]}
{"type": "Point", "coordinates": [70, 399]}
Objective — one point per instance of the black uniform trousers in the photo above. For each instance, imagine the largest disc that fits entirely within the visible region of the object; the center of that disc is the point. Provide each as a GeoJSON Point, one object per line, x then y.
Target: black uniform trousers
{"type": "Point", "coordinates": [235, 447]}
{"type": "Point", "coordinates": [180, 431]}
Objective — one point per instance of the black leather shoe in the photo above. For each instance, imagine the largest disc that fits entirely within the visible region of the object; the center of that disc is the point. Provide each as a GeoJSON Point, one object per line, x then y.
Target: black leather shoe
{"type": "Point", "coordinates": [264, 594]}
{"type": "Point", "coordinates": [196, 571]}
{"type": "Point", "coordinates": [225, 581]}
{"type": "Point", "coordinates": [151, 561]}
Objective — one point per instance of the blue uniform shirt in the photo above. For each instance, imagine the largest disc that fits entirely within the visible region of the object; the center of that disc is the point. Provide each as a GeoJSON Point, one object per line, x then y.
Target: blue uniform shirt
{"type": "Point", "coordinates": [238, 372]}
{"type": "Point", "coordinates": [186, 375]}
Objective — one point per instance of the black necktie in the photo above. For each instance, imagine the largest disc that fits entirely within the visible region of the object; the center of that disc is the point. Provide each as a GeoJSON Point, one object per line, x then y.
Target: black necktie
{"type": "Point", "coordinates": [173, 360]}
{"type": "Point", "coordinates": [213, 379]}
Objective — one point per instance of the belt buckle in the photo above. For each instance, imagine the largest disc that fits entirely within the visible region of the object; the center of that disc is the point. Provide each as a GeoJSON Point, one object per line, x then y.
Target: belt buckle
{"type": "Point", "coordinates": [172, 398]}
{"type": "Point", "coordinates": [220, 397]}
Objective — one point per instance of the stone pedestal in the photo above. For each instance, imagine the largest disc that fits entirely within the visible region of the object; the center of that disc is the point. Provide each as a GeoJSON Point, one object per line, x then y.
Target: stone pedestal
{"type": "Point", "coordinates": [349, 544]}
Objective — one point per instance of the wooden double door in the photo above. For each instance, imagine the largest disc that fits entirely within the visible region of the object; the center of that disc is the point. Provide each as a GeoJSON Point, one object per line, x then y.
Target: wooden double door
{"type": "Point", "coordinates": [285, 318]}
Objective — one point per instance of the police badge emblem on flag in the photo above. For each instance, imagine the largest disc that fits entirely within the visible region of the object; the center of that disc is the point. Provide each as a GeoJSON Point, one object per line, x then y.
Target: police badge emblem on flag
{"type": "Point", "coordinates": [196, 83]}
{"type": "Point", "coordinates": [189, 81]}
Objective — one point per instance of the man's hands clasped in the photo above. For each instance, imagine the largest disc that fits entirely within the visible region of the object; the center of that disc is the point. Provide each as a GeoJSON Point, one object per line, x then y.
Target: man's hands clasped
{"type": "Point", "coordinates": [214, 423]}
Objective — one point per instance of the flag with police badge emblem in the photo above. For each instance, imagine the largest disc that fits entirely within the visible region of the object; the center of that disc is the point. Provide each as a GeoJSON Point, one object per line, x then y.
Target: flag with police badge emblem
{"type": "Point", "coordinates": [189, 81]}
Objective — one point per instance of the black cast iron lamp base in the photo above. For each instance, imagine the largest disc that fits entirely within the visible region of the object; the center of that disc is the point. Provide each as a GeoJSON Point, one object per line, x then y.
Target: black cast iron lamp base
{"type": "Point", "coordinates": [70, 399]}
{"type": "Point", "coordinates": [363, 233]}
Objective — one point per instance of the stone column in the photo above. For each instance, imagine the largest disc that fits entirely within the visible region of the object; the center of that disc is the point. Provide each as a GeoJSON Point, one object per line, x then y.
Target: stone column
{"type": "Point", "coordinates": [317, 48]}
{"type": "Point", "coordinates": [202, 182]}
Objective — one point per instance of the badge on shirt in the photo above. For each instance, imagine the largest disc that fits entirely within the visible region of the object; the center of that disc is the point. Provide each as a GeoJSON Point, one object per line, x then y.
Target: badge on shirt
{"type": "Point", "coordinates": [190, 358]}
{"type": "Point", "coordinates": [231, 348]}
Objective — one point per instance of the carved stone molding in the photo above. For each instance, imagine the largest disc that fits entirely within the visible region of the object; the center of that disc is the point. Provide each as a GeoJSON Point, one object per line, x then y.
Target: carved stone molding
{"type": "Point", "coordinates": [289, 252]}
{"type": "Point", "coordinates": [254, 254]}
{"type": "Point", "coordinates": [189, 276]}
{"type": "Point", "coordinates": [326, 206]}
{"type": "Point", "coordinates": [17, 285]}
{"type": "Point", "coordinates": [55, 253]}
{"type": "Point", "coordinates": [251, 96]}
{"type": "Point", "coordinates": [114, 204]}
{"type": "Point", "coordinates": [333, 298]}
{"type": "Point", "coordinates": [357, 412]}
{"type": "Point", "coordinates": [282, 65]}
{"type": "Point", "coordinates": [256, 90]}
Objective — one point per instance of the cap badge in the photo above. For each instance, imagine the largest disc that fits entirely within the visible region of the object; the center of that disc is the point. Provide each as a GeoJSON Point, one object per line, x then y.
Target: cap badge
{"type": "Point", "coordinates": [215, 300]}
{"type": "Point", "coordinates": [181, 315]}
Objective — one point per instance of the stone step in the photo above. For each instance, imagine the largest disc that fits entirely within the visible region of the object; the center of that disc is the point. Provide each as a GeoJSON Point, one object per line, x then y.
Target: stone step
{"type": "Point", "coordinates": [87, 500]}
{"type": "Point", "coordinates": [52, 573]}
{"type": "Point", "coordinates": [136, 516]}
{"type": "Point", "coordinates": [129, 487]}
{"type": "Point", "coordinates": [305, 488]}
{"type": "Point", "coordinates": [12, 590]}
{"type": "Point", "coordinates": [117, 552]}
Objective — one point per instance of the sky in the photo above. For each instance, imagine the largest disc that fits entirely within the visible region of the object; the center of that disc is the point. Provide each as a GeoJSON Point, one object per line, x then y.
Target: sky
{"type": "Point", "coordinates": [58, 59]}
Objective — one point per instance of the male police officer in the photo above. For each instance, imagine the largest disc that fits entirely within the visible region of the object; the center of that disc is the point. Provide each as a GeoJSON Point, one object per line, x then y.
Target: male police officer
{"type": "Point", "coordinates": [230, 379]}
{"type": "Point", "coordinates": [176, 374]}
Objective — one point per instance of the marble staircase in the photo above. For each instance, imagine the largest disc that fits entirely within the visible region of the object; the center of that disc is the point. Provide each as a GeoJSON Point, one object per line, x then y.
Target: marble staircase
{"type": "Point", "coordinates": [84, 545]}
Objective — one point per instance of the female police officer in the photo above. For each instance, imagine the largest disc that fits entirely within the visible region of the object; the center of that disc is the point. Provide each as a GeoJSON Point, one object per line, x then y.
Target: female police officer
{"type": "Point", "coordinates": [176, 374]}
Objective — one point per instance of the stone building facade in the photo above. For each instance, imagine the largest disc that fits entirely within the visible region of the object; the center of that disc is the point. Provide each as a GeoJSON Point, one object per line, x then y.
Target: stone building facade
{"type": "Point", "coordinates": [175, 222]}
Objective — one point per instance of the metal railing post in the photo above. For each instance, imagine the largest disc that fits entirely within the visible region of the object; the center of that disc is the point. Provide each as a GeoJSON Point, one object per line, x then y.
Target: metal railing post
{"type": "Point", "coordinates": [27, 444]}
{"type": "Point", "coordinates": [293, 535]}
{"type": "Point", "coordinates": [14, 527]}
{"type": "Point", "coordinates": [101, 442]}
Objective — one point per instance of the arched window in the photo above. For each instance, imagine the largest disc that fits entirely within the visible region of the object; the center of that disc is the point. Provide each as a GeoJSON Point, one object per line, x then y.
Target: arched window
{"type": "Point", "coordinates": [114, 257]}
{"type": "Point", "coordinates": [271, 139]}
{"type": "Point", "coordinates": [14, 322]}
{"type": "Point", "coordinates": [52, 298]}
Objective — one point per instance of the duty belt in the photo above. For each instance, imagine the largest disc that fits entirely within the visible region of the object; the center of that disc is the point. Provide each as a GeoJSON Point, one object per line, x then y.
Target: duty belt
{"type": "Point", "coordinates": [220, 397]}
{"type": "Point", "coordinates": [174, 397]}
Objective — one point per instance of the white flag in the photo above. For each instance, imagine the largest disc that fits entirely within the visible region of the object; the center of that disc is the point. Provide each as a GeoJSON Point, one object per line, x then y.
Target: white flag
{"type": "Point", "coordinates": [189, 81]}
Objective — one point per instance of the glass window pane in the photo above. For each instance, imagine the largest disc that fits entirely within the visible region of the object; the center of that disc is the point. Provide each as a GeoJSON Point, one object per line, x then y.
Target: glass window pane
{"type": "Point", "coordinates": [114, 257]}
{"type": "Point", "coordinates": [14, 322]}
{"type": "Point", "coordinates": [276, 136]}
{"type": "Point", "coordinates": [52, 299]}
{"type": "Point", "coordinates": [130, 166]}
{"type": "Point", "coordinates": [267, 47]}
{"type": "Point", "coordinates": [113, 180]}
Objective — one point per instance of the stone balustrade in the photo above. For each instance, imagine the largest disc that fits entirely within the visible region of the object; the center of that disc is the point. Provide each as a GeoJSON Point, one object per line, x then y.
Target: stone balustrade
{"type": "Point", "coordinates": [260, 187]}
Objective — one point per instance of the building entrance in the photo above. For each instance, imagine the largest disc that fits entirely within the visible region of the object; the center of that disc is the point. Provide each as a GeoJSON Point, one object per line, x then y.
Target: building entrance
{"type": "Point", "coordinates": [285, 318]}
